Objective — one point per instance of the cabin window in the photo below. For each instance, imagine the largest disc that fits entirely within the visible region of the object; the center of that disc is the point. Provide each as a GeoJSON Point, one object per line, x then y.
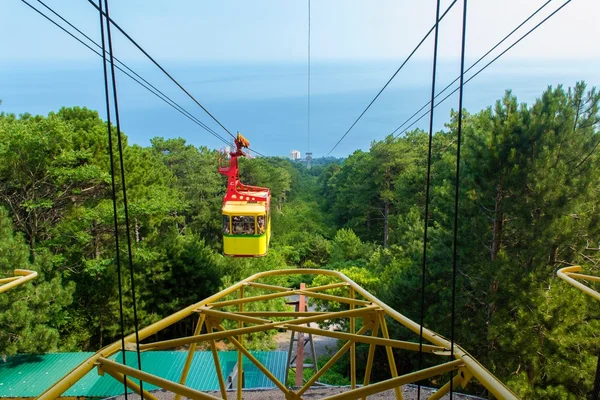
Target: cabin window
{"type": "Point", "coordinates": [243, 225]}
{"type": "Point", "coordinates": [226, 225]}
{"type": "Point", "coordinates": [260, 224]}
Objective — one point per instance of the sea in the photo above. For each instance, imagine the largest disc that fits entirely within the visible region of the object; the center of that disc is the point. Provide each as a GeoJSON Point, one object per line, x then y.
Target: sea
{"type": "Point", "coordinates": [268, 102]}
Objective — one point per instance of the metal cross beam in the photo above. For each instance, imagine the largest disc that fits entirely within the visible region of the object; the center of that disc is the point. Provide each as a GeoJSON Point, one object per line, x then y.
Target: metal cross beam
{"type": "Point", "coordinates": [367, 319]}
{"type": "Point", "coordinates": [20, 276]}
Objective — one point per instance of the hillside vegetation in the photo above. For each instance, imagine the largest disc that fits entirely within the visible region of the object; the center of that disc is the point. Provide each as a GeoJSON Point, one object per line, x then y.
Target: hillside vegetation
{"type": "Point", "coordinates": [529, 204]}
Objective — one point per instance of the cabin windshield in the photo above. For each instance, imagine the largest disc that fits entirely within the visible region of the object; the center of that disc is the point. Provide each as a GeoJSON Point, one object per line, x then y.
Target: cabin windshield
{"type": "Point", "coordinates": [226, 225]}
{"type": "Point", "coordinates": [243, 225]}
{"type": "Point", "coordinates": [260, 224]}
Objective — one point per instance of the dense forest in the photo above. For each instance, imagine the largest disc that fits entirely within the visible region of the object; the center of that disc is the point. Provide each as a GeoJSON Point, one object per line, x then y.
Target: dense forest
{"type": "Point", "coordinates": [529, 204]}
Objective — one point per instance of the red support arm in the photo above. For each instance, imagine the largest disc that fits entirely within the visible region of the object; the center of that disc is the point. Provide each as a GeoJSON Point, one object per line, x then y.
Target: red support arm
{"type": "Point", "coordinates": [237, 191]}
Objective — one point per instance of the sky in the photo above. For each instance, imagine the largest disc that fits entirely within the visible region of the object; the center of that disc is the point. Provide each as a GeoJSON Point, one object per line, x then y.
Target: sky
{"type": "Point", "coordinates": [245, 60]}
{"type": "Point", "coordinates": [276, 30]}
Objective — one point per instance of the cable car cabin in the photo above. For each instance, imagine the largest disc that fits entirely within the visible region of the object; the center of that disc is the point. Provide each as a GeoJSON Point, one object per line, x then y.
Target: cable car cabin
{"type": "Point", "coordinates": [246, 217]}
{"type": "Point", "coordinates": [246, 229]}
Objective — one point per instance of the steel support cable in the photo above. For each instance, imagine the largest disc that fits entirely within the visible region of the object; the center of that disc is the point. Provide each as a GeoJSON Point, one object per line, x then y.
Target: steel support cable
{"type": "Point", "coordinates": [475, 63]}
{"type": "Point", "coordinates": [140, 48]}
{"type": "Point", "coordinates": [114, 196]}
{"type": "Point", "coordinates": [596, 392]}
{"type": "Point", "coordinates": [92, 41]}
{"type": "Point", "coordinates": [427, 187]}
{"type": "Point", "coordinates": [457, 190]}
{"type": "Point", "coordinates": [168, 99]}
{"type": "Point", "coordinates": [394, 75]}
{"type": "Point", "coordinates": [479, 71]}
{"type": "Point", "coordinates": [123, 189]}
{"type": "Point", "coordinates": [147, 85]}
{"type": "Point", "coordinates": [308, 108]}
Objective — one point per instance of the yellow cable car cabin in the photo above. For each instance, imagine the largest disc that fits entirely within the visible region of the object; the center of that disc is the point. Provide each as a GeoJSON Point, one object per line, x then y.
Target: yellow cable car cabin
{"type": "Point", "coordinates": [246, 217]}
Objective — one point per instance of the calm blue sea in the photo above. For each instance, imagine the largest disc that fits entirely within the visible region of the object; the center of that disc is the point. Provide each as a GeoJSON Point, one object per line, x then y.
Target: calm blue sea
{"type": "Point", "coordinates": [268, 102]}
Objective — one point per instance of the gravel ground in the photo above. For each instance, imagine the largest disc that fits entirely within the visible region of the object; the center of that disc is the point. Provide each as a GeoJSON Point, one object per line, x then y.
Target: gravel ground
{"type": "Point", "coordinates": [323, 345]}
{"type": "Point", "coordinates": [409, 392]}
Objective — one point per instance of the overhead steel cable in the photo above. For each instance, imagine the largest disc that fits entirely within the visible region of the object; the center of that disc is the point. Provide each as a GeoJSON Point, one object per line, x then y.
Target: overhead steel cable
{"type": "Point", "coordinates": [596, 390]}
{"type": "Point", "coordinates": [140, 48]}
{"type": "Point", "coordinates": [457, 191]}
{"type": "Point", "coordinates": [487, 65]}
{"type": "Point", "coordinates": [427, 187]}
{"type": "Point", "coordinates": [394, 75]}
{"type": "Point", "coordinates": [168, 99]}
{"type": "Point", "coordinates": [147, 85]}
{"type": "Point", "coordinates": [474, 64]}
{"type": "Point", "coordinates": [123, 186]}
{"type": "Point", "coordinates": [308, 88]}
{"type": "Point", "coordinates": [114, 197]}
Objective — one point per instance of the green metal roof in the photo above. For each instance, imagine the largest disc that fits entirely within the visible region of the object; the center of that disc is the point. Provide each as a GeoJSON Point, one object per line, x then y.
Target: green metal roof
{"type": "Point", "coordinates": [253, 378]}
{"type": "Point", "coordinates": [30, 375]}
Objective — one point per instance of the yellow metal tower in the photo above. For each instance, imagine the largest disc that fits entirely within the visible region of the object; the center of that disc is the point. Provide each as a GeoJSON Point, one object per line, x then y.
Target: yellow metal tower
{"type": "Point", "coordinates": [368, 323]}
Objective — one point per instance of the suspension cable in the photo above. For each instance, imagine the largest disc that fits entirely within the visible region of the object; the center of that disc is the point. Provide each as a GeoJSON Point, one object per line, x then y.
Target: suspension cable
{"type": "Point", "coordinates": [123, 189]}
{"type": "Point", "coordinates": [308, 108]}
{"type": "Point", "coordinates": [394, 75]}
{"type": "Point", "coordinates": [596, 390]}
{"type": "Point", "coordinates": [428, 185]}
{"type": "Point", "coordinates": [480, 70]}
{"type": "Point", "coordinates": [475, 63]}
{"type": "Point", "coordinates": [147, 85]}
{"type": "Point", "coordinates": [111, 21]}
{"type": "Point", "coordinates": [144, 83]}
{"type": "Point", "coordinates": [457, 189]}
{"type": "Point", "coordinates": [114, 197]}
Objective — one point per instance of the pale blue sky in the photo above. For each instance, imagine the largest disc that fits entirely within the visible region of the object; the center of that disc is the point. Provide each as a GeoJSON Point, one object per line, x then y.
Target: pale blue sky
{"type": "Point", "coordinates": [245, 60]}
{"type": "Point", "coordinates": [266, 30]}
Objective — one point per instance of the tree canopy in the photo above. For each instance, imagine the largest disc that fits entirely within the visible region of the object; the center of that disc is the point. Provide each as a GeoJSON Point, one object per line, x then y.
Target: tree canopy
{"type": "Point", "coordinates": [529, 201]}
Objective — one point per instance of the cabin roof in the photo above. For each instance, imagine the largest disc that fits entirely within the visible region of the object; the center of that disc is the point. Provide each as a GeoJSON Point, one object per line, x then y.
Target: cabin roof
{"type": "Point", "coordinates": [243, 208]}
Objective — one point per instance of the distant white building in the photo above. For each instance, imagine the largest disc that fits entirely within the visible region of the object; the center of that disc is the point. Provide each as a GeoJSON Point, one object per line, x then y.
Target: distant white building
{"type": "Point", "coordinates": [295, 155]}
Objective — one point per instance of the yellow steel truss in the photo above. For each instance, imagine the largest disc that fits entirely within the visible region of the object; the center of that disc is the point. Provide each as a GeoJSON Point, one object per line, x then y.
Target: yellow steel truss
{"type": "Point", "coordinates": [20, 276]}
{"type": "Point", "coordinates": [571, 276]}
{"type": "Point", "coordinates": [369, 313]}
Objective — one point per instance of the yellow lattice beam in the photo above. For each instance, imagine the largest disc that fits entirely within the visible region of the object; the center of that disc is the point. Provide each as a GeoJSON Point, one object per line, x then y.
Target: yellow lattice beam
{"type": "Point", "coordinates": [21, 276]}
{"type": "Point", "coordinates": [371, 310]}
{"type": "Point", "coordinates": [568, 274]}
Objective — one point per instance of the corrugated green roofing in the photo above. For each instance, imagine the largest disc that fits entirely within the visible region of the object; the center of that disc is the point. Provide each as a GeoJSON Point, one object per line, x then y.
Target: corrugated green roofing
{"type": "Point", "coordinates": [253, 378]}
{"type": "Point", "coordinates": [30, 375]}
{"type": "Point", "coordinates": [166, 364]}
